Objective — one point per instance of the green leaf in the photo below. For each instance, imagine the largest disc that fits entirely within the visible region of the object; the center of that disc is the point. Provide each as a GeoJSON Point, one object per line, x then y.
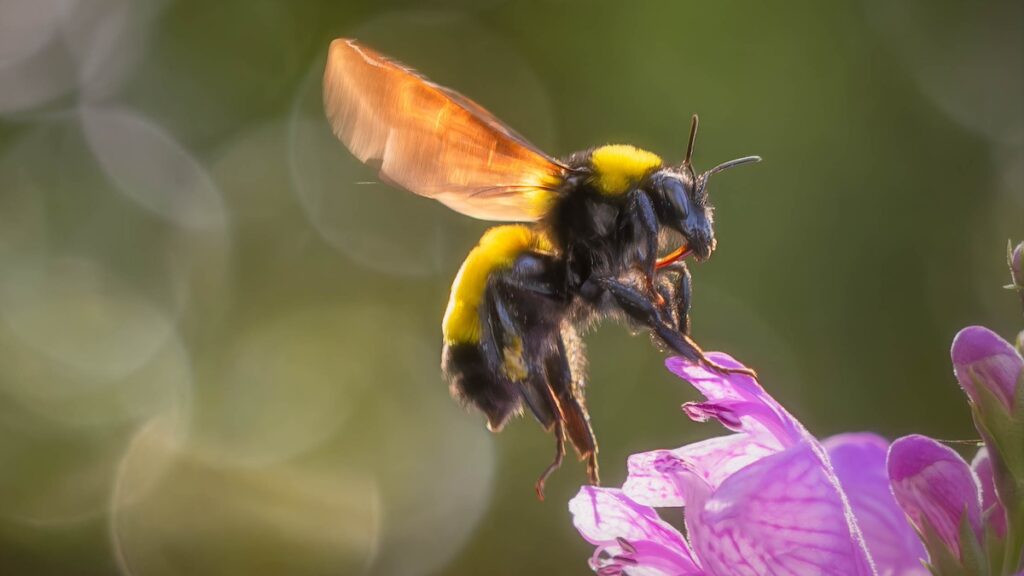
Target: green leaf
{"type": "Point", "coordinates": [941, 560]}
{"type": "Point", "coordinates": [1002, 428]}
{"type": "Point", "coordinates": [994, 546]}
{"type": "Point", "coordinates": [972, 553]}
{"type": "Point", "coordinates": [1013, 553]}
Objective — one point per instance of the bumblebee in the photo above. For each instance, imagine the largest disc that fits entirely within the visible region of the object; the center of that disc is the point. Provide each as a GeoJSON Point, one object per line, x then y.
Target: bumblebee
{"type": "Point", "coordinates": [586, 246]}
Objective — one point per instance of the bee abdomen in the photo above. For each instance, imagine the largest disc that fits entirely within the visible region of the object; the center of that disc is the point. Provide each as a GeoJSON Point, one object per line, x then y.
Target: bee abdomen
{"type": "Point", "coordinates": [497, 250]}
{"type": "Point", "coordinates": [472, 381]}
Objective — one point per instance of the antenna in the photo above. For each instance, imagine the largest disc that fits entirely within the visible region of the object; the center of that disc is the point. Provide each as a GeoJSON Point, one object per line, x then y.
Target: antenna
{"type": "Point", "coordinates": [703, 185]}
{"type": "Point", "coordinates": [688, 166]}
{"type": "Point", "coordinates": [694, 121]}
{"type": "Point", "coordinates": [732, 164]}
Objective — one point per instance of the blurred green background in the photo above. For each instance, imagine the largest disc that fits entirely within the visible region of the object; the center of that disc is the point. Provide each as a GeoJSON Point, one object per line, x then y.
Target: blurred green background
{"type": "Point", "coordinates": [219, 350]}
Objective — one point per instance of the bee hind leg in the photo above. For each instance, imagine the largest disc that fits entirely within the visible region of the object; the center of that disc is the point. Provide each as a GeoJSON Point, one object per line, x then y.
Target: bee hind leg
{"type": "Point", "coordinates": [556, 463]}
{"type": "Point", "coordinates": [565, 374]}
{"type": "Point", "coordinates": [533, 346]}
{"type": "Point", "coordinates": [512, 354]}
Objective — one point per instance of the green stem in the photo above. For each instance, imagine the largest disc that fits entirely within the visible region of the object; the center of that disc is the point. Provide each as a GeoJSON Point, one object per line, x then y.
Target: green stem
{"type": "Point", "coordinates": [1014, 541]}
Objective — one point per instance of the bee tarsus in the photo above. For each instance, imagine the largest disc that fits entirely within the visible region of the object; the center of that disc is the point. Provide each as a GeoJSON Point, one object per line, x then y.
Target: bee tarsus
{"type": "Point", "coordinates": [559, 433]}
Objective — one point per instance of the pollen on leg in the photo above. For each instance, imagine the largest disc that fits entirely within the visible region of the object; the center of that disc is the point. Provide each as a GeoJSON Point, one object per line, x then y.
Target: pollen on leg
{"type": "Point", "coordinates": [513, 363]}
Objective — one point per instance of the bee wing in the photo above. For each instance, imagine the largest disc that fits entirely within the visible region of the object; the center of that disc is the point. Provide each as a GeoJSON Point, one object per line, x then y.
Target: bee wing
{"type": "Point", "coordinates": [433, 141]}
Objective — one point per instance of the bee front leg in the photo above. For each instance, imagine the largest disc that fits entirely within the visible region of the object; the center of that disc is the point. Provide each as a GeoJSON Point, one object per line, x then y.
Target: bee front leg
{"type": "Point", "coordinates": [642, 309]}
{"type": "Point", "coordinates": [676, 288]}
{"type": "Point", "coordinates": [644, 223]}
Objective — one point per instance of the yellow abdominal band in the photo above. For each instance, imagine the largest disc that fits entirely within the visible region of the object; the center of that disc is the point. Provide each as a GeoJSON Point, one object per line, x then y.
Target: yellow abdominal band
{"type": "Point", "coordinates": [620, 167]}
{"type": "Point", "coordinates": [497, 249]}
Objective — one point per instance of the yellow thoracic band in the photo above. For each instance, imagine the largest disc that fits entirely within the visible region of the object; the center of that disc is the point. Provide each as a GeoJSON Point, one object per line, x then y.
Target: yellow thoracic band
{"type": "Point", "coordinates": [497, 249]}
{"type": "Point", "coordinates": [540, 200]}
{"type": "Point", "coordinates": [620, 167]}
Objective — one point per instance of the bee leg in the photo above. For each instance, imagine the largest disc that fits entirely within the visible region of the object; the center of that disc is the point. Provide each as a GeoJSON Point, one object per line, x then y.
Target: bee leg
{"type": "Point", "coordinates": [568, 389]}
{"type": "Point", "coordinates": [680, 292]}
{"type": "Point", "coordinates": [559, 455]}
{"type": "Point", "coordinates": [515, 350]}
{"type": "Point", "coordinates": [644, 311]}
{"type": "Point", "coordinates": [537, 394]}
{"type": "Point", "coordinates": [510, 356]}
{"type": "Point", "coordinates": [493, 375]}
{"type": "Point", "coordinates": [644, 223]}
{"type": "Point", "coordinates": [550, 385]}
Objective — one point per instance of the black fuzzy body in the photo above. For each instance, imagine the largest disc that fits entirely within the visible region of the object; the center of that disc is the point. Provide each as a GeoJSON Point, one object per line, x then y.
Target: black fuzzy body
{"type": "Point", "coordinates": [599, 237]}
{"type": "Point", "coordinates": [540, 304]}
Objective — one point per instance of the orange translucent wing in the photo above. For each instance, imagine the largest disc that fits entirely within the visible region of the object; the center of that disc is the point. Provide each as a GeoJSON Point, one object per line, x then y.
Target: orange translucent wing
{"type": "Point", "coordinates": [433, 141]}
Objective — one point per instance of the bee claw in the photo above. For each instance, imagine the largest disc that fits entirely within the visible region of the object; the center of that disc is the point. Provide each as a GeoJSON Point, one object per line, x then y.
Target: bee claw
{"type": "Point", "coordinates": [538, 487]}
{"type": "Point", "coordinates": [725, 370]}
{"type": "Point", "coordinates": [592, 470]}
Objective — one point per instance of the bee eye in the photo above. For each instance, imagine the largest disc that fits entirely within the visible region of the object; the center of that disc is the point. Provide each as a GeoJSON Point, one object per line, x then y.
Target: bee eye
{"type": "Point", "coordinates": [676, 194]}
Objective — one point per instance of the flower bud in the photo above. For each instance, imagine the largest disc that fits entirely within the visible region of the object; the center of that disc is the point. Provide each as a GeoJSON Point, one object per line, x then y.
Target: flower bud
{"type": "Point", "coordinates": [986, 365]}
{"type": "Point", "coordinates": [941, 497]}
{"type": "Point", "coordinates": [1014, 259]}
{"type": "Point", "coordinates": [991, 371]}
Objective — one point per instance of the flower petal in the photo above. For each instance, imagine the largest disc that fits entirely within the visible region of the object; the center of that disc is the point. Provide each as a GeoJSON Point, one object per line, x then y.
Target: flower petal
{"type": "Point", "coordinates": [1016, 265]}
{"type": "Point", "coordinates": [783, 514]}
{"type": "Point", "coordinates": [859, 463]}
{"type": "Point", "coordinates": [737, 401]}
{"type": "Point", "coordinates": [935, 488]}
{"type": "Point", "coordinates": [714, 460]}
{"type": "Point", "coordinates": [621, 528]}
{"type": "Point", "coordinates": [992, 509]}
{"type": "Point", "coordinates": [981, 357]}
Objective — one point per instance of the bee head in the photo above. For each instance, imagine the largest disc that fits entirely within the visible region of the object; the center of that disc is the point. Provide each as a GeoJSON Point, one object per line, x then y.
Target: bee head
{"type": "Point", "coordinates": [681, 199]}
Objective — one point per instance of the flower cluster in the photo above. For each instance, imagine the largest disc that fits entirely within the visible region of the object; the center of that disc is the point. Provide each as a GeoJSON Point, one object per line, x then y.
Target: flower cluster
{"type": "Point", "coordinates": [770, 498]}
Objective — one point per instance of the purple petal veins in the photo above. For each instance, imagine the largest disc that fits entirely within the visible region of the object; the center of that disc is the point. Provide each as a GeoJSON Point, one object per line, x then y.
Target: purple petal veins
{"type": "Point", "coordinates": [739, 398]}
{"type": "Point", "coordinates": [859, 462]}
{"type": "Point", "coordinates": [771, 499]}
{"type": "Point", "coordinates": [714, 460]}
{"type": "Point", "coordinates": [935, 487]}
{"type": "Point", "coordinates": [782, 514]}
{"type": "Point", "coordinates": [620, 528]}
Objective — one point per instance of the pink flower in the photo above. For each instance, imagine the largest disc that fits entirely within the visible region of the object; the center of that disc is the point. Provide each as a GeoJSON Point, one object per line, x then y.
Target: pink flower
{"type": "Point", "coordinates": [991, 371]}
{"type": "Point", "coordinates": [937, 489]}
{"type": "Point", "coordinates": [1015, 260]}
{"type": "Point", "coordinates": [767, 499]}
{"type": "Point", "coordinates": [1014, 257]}
{"type": "Point", "coordinates": [992, 509]}
{"type": "Point", "coordinates": [985, 364]}
{"type": "Point", "coordinates": [971, 517]}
